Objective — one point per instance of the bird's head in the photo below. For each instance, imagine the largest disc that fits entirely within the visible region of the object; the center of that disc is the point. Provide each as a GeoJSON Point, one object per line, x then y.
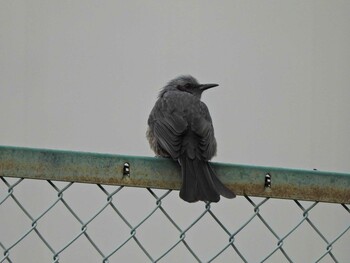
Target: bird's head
{"type": "Point", "coordinates": [187, 83]}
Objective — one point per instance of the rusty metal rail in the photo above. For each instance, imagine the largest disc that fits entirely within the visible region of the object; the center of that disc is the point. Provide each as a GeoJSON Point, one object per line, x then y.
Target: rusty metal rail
{"type": "Point", "coordinates": [162, 173]}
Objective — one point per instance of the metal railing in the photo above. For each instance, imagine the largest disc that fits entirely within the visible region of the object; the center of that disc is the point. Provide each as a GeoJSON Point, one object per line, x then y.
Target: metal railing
{"type": "Point", "coordinates": [282, 215]}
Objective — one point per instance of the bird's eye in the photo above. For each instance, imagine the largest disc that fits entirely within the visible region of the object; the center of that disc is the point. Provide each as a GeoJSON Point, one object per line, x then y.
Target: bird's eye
{"type": "Point", "coordinates": [186, 87]}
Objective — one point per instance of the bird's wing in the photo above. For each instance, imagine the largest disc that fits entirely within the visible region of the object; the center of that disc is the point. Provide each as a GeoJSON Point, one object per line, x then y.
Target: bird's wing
{"type": "Point", "coordinates": [168, 128]}
{"type": "Point", "coordinates": [204, 129]}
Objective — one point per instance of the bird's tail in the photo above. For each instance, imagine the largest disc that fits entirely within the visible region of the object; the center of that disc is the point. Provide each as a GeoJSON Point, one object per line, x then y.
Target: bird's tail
{"type": "Point", "coordinates": [199, 182]}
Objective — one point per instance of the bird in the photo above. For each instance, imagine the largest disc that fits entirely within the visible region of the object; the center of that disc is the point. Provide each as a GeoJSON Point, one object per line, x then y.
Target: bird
{"type": "Point", "coordinates": [180, 127]}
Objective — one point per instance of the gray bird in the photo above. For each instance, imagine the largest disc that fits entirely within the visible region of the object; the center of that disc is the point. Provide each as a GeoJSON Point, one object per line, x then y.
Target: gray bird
{"type": "Point", "coordinates": [180, 127]}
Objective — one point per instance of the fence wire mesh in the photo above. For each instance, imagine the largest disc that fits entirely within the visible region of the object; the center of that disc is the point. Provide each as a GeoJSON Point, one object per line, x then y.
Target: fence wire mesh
{"type": "Point", "coordinates": [50, 221]}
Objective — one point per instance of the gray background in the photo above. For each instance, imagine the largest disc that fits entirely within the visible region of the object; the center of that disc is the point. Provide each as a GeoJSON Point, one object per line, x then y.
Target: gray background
{"type": "Point", "coordinates": [84, 75]}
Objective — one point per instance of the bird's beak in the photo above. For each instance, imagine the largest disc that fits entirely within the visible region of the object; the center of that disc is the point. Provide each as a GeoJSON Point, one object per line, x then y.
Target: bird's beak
{"type": "Point", "coordinates": [204, 87]}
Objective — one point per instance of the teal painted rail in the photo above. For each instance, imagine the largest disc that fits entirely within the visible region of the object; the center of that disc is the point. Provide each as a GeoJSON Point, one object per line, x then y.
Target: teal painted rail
{"type": "Point", "coordinates": [162, 173]}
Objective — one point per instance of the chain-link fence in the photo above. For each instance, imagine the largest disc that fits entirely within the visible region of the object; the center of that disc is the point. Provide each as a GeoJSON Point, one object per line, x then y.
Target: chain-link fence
{"type": "Point", "coordinates": [141, 226]}
{"type": "Point", "coordinates": [53, 221]}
